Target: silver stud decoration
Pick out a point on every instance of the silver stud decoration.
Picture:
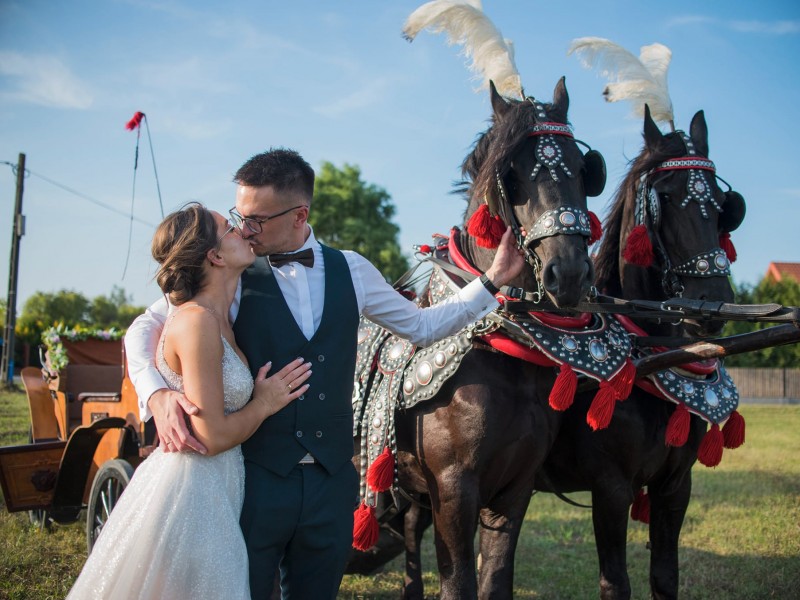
(714, 396)
(564, 220)
(548, 152)
(713, 263)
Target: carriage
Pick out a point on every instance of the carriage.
(86, 437)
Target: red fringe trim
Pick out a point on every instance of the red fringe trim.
(640, 509)
(365, 528)
(624, 380)
(638, 249)
(380, 474)
(486, 229)
(563, 392)
(595, 227)
(678, 427)
(135, 121)
(727, 245)
(710, 451)
(602, 407)
(733, 431)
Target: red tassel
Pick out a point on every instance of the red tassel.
(595, 227)
(727, 245)
(365, 528)
(678, 427)
(710, 451)
(733, 431)
(640, 509)
(638, 249)
(602, 407)
(135, 121)
(623, 381)
(563, 392)
(380, 474)
(486, 229)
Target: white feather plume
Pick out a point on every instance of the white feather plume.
(638, 80)
(466, 24)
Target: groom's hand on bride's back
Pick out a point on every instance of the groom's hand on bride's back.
(170, 410)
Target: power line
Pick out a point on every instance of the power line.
(79, 194)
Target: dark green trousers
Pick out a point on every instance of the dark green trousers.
(302, 524)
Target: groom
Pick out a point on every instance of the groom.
(301, 299)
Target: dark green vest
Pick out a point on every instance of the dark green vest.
(321, 421)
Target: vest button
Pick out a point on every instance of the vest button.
(322, 396)
(319, 434)
(301, 397)
(321, 358)
(299, 434)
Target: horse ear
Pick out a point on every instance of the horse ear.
(560, 101)
(500, 105)
(652, 134)
(699, 133)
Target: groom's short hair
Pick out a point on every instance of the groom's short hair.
(281, 168)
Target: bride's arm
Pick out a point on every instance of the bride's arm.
(194, 338)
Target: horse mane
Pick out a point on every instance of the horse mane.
(606, 262)
(494, 148)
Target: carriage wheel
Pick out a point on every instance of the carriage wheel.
(112, 478)
(39, 516)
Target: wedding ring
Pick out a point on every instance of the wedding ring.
(289, 387)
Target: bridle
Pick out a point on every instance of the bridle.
(708, 263)
(563, 220)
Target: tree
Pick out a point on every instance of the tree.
(114, 310)
(787, 293)
(350, 214)
(44, 309)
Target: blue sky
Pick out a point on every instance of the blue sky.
(336, 81)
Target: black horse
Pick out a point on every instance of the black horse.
(474, 447)
(617, 462)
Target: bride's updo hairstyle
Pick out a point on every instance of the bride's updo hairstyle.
(180, 245)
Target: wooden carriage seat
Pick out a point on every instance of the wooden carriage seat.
(90, 383)
(44, 424)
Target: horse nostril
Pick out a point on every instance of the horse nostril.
(550, 278)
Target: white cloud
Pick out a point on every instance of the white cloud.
(369, 95)
(769, 28)
(752, 26)
(689, 20)
(43, 80)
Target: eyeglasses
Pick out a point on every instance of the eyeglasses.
(252, 224)
(231, 227)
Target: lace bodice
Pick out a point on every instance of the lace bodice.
(237, 382)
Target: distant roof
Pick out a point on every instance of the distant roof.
(777, 271)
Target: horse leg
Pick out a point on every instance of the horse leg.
(666, 519)
(499, 533)
(417, 519)
(455, 518)
(610, 508)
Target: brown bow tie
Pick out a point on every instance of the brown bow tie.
(304, 257)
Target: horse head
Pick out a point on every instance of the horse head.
(527, 171)
(672, 224)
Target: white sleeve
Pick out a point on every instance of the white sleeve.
(141, 343)
(381, 303)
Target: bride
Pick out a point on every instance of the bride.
(175, 531)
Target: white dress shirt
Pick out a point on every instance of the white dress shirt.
(304, 291)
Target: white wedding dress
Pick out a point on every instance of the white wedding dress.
(175, 532)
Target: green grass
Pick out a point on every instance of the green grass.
(740, 541)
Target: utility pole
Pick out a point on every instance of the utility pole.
(18, 230)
